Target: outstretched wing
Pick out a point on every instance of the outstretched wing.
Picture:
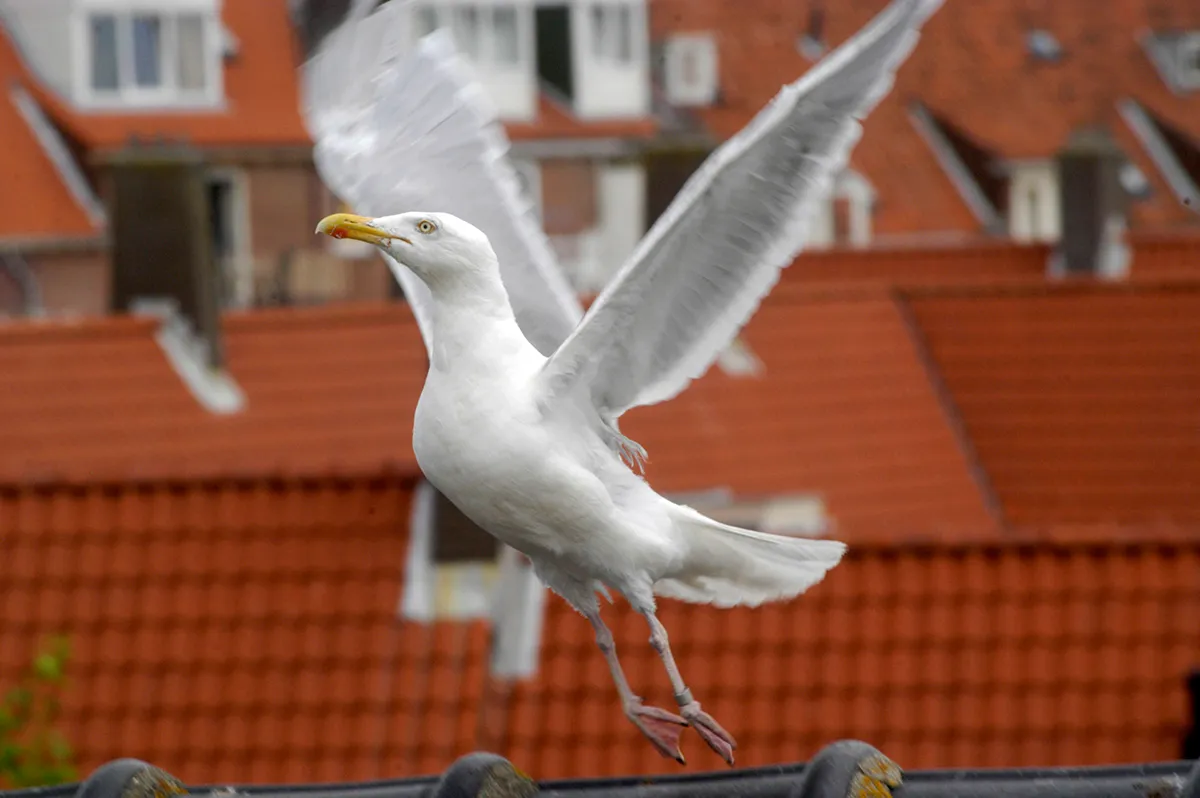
(398, 130)
(701, 271)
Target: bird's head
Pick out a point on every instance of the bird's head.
(435, 246)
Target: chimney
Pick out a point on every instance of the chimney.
(1093, 205)
(161, 249)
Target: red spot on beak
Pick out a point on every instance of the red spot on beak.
(339, 232)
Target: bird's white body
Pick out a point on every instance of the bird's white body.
(517, 421)
(541, 476)
(542, 483)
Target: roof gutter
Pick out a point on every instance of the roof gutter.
(54, 245)
(842, 768)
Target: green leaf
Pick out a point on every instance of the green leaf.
(48, 667)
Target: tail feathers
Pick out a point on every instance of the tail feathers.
(729, 567)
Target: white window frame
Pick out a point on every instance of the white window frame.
(605, 19)
(128, 94)
(1034, 215)
(853, 187)
(485, 52)
(241, 256)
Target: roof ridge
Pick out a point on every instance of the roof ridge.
(56, 328)
(344, 312)
(1133, 284)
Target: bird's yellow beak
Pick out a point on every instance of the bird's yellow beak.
(362, 228)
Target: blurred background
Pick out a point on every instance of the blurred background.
(217, 552)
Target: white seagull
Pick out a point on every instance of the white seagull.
(517, 421)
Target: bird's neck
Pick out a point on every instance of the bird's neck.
(473, 323)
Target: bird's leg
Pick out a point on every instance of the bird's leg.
(662, 728)
(717, 738)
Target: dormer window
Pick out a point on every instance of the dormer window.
(1188, 55)
(488, 35)
(151, 58)
(612, 33)
(497, 37)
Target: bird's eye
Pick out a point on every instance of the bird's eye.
(425, 226)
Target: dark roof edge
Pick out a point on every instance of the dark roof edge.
(950, 411)
(845, 768)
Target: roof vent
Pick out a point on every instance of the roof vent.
(1134, 181)
(1176, 56)
(1043, 45)
(811, 43)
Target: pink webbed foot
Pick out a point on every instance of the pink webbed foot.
(661, 728)
(707, 727)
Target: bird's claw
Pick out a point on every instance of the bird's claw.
(707, 727)
(661, 728)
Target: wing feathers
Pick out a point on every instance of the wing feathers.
(702, 270)
(422, 135)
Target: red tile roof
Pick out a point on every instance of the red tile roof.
(245, 631)
(553, 121)
(35, 201)
(232, 622)
(976, 655)
(844, 408)
(1081, 401)
(329, 390)
(970, 67)
(238, 630)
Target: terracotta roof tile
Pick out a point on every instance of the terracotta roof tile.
(35, 202)
(1080, 400)
(976, 655)
(555, 122)
(237, 630)
(843, 408)
(327, 389)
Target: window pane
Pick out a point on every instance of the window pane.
(104, 52)
(600, 34)
(623, 33)
(427, 21)
(504, 27)
(192, 56)
(466, 30)
(147, 50)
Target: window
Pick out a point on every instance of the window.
(147, 51)
(487, 35)
(104, 52)
(151, 57)
(1189, 61)
(507, 37)
(612, 33)
(465, 26)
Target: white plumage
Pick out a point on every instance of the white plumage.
(517, 421)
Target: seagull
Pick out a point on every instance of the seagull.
(517, 422)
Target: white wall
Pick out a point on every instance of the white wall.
(1033, 202)
(605, 88)
(42, 29)
(622, 212)
(511, 86)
